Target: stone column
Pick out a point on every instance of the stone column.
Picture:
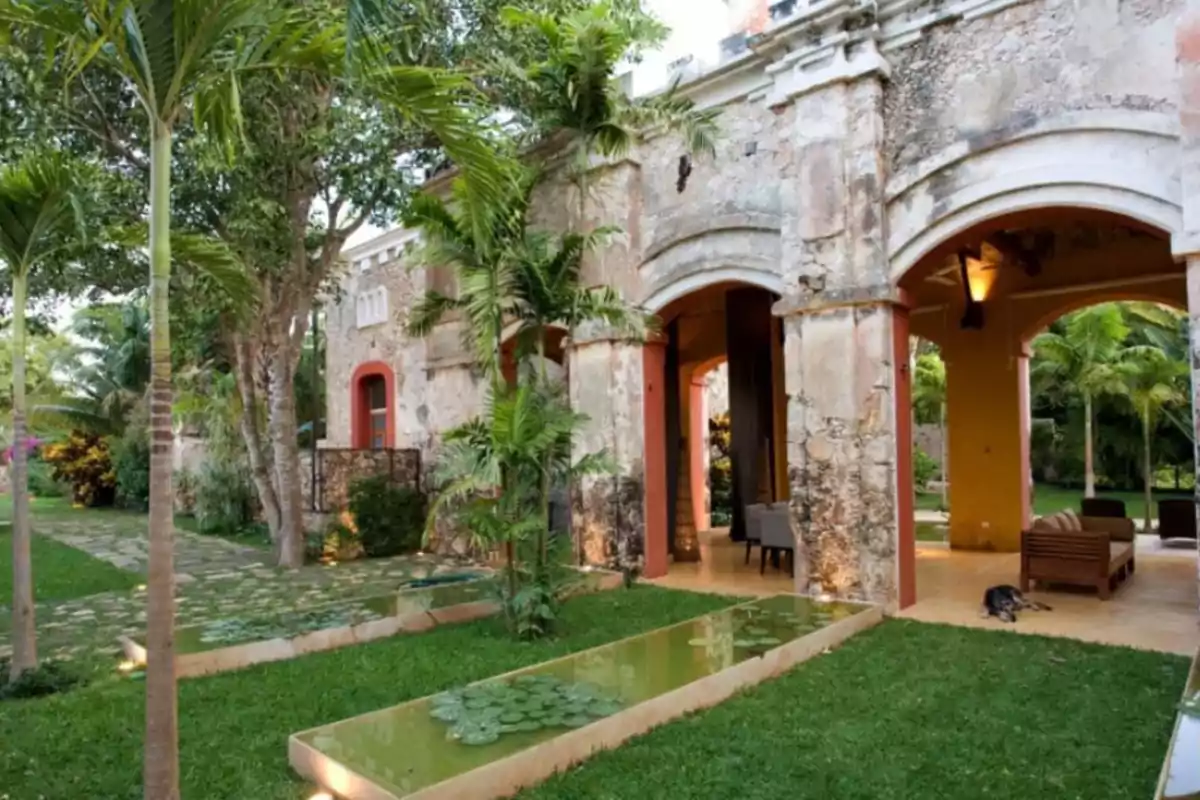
(1186, 242)
(655, 505)
(606, 385)
(842, 446)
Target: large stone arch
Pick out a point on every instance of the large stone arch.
(1123, 162)
(740, 254)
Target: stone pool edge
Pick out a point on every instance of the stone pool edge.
(506, 776)
(247, 654)
(1192, 684)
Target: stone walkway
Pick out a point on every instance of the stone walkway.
(218, 579)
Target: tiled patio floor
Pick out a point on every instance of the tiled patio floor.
(1155, 610)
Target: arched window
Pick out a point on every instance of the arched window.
(372, 415)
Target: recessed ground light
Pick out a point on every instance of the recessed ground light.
(751, 148)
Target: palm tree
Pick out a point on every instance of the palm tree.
(1151, 382)
(929, 401)
(1082, 359)
(573, 91)
(173, 53)
(40, 218)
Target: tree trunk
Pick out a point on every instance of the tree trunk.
(24, 633)
(260, 471)
(1147, 468)
(1089, 468)
(161, 759)
(945, 456)
(286, 456)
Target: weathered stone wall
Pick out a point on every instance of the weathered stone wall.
(985, 79)
(350, 346)
(338, 469)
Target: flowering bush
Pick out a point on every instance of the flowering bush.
(83, 461)
(32, 443)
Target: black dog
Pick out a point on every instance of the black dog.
(1005, 601)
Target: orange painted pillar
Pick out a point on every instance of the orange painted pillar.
(906, 522)
(697, 410)
(654, 363)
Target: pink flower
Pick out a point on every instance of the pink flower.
(31, 444)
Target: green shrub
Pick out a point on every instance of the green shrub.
(390, 519)
(41, 480)
(49, 677)
(925, 468)
(131, 462)
(225, 500)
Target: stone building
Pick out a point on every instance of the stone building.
(962, 170)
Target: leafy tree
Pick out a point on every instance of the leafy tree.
(40, 216)
(1151, 381)
(1081, 359)
(929, 401)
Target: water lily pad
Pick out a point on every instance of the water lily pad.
(701, 642)
(512, 717)
(480, 736)
(577, 721)
(528, 726)
(604, 708)
(769, 641)
(745, 642)
(447, 713)
(752, 630)
(481, 714)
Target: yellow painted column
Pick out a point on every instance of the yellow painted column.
(987, 411)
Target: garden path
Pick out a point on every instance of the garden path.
(217, 579)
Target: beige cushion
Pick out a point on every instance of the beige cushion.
(1044, 524)
(1072, 521)
(1118, 549)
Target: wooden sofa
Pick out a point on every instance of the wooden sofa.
(1083, 551)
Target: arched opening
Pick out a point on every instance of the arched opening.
(982, 296)
(725, 323)
(372, 407)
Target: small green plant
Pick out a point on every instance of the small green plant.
(481, 714)
(389, 519)
(225, 500)
(41, 480)
(131, 462)
(49, 677)
(630, 574)
(925, 468)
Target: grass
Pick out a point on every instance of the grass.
(1048, 499)
(930, 532)
(59, 572)
(912, 711)
(234, 727)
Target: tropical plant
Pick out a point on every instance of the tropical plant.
(929, 403)
(1151, 383)
(572, 90)
(82, 460)
(1081, 360)
(40, 219)
(491, 473)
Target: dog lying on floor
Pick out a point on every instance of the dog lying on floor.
(1005, 601)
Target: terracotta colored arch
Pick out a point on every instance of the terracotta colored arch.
(360, 410)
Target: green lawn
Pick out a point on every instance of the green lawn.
(912, 711)
(59, 572)
(1048, 498)
(234, 727)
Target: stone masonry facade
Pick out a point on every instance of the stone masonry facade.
(855, 138)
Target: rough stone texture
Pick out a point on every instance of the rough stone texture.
(338, 469)
(607, 509)
(854, 139)
(842, 450)
(1005, 71)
